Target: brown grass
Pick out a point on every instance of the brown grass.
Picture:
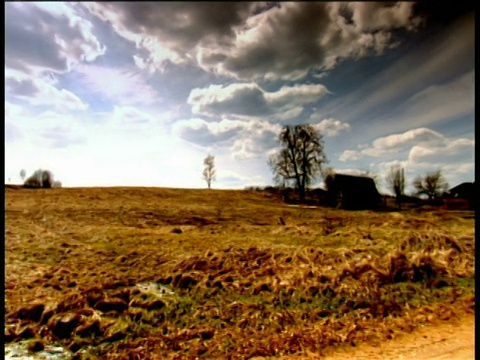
(250, 275)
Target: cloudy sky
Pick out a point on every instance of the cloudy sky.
(138, 93)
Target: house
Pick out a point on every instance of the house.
(461, 196)
(353, 192)
(465, 190)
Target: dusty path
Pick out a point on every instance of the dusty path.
(440, 341)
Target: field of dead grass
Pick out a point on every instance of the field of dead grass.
(155, 273)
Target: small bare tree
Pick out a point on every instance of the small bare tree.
(432, 185)
(396, 183)
(23, 173)
(209, 170)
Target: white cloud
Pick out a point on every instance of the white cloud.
(454, 150)
(396, 143)
(259, 138)
(12, 110)
(300, 94)
(370, 16)
(206, 133)
(247, 148)
(354, 172)
(249, 100)
(419, 151)
(121, 85)
(37, 91)
(51, 129)
(350, 155)
(243, 139)
(330, 127)
(130, 115)
(236, 99)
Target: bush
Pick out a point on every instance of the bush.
(40, 179)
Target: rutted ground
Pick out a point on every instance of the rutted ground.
(237, 283)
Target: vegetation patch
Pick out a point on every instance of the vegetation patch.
(103, 275)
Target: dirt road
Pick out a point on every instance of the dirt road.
(440, 341)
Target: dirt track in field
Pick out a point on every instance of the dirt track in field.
(441, 341)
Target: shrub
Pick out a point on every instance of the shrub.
(40, 179)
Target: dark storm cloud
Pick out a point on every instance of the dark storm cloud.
(442, 13)
(180, 24)
(296, 38)
(47, 36)
(170, 31)
(24, 46)
(249, 40)
(20, 87)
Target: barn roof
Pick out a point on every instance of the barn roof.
(463, 190)
(357, 192)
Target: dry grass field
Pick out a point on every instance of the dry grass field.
(155, 273)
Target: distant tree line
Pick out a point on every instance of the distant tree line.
(301, 160)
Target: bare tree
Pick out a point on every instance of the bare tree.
(432, 185)
(23, 173)
(301, 157)
(209, 170)
(396, 183)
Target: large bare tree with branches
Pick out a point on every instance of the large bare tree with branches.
(432, 185)
(300, 158)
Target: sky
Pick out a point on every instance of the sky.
(139, 93)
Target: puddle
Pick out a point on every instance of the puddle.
(155, 289)
(19, 351)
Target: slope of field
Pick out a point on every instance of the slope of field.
(154, 273)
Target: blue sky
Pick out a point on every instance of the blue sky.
(138, 93)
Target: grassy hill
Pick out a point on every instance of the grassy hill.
(179, 273)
